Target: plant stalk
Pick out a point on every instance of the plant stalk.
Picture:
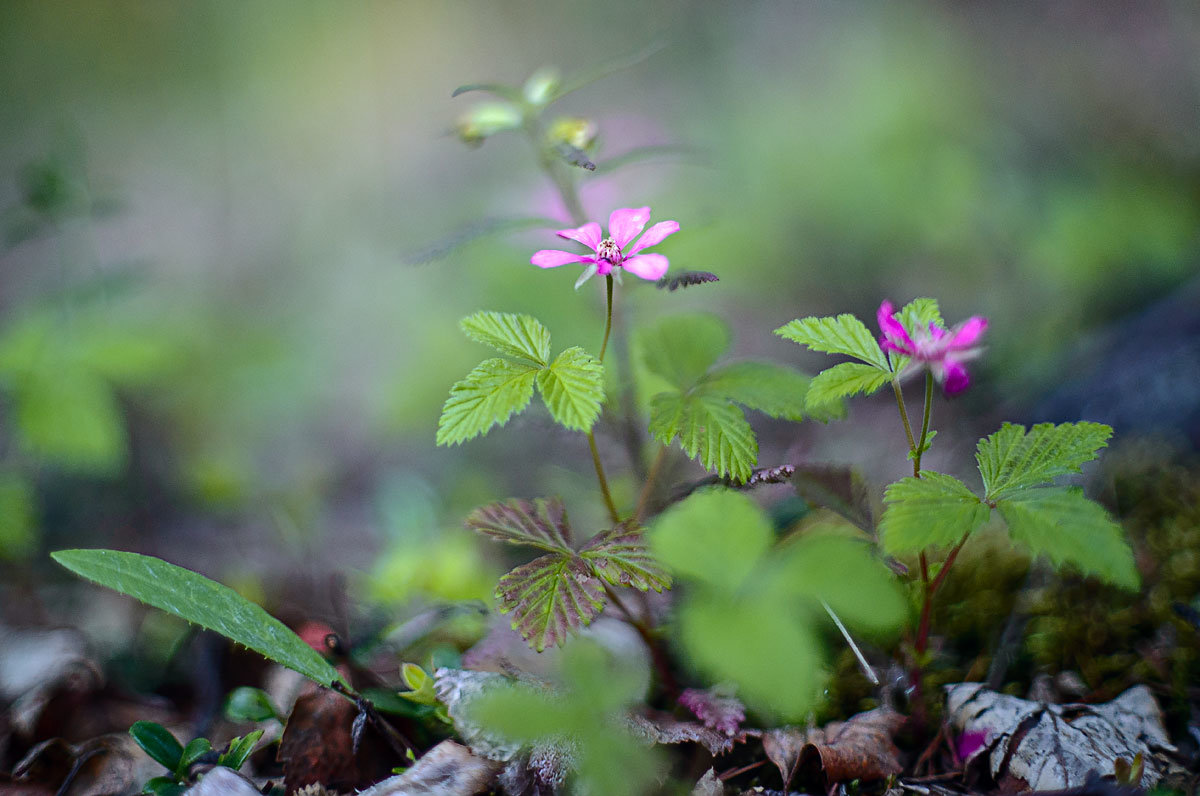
(920, 449)
(608, 499)
(648, 488)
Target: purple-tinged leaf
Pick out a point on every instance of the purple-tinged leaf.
(716, 709)
(621, 557)
(537, 523)
(550, 597)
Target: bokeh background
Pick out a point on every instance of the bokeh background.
(228, 309)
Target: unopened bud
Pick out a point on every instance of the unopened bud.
(486, 120)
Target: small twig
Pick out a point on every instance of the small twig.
(737, 771)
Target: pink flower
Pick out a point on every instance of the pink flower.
(941, 350)
(617, 250)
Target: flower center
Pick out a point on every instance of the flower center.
(609, 251)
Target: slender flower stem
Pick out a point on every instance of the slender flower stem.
(920, 449)
(608, 315)
(862, 661)
(608, 499)
(648, 488)
(912, 444)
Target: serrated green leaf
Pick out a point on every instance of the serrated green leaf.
(844, 334)
(204, 602)
(157, 742)
(1010, 459)
(932, 510)
(844, 380)
(920, 312)
(681, 348)
(710, 430)
(550, 597)
(488, 396)
(774, 390)
(521, 336)
(1063, 525)
(573, 389)
(538, 523)
(756, 642)
(715, 537)
(826, 565)
(621, 557)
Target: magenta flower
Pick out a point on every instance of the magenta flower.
(941, 350)
(617, 250)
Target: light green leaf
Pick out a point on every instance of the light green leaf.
(756, 642)
(1067, 528)
(932, 510)
(710, 430)
(201, 601)
(681, 348)
(18, 521)
(715, 536)
(774, 390)
(573, 389)
(520, 336)
(537, 523)
(920, 312)
(844, 334)
(1010, 459)
(841, 570)
(620, 556)
(488, 396)
(844, 380)
(70, 417)
(550, 597)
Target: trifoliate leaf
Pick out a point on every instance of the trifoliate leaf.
(621, 556)
(573, 388)
(716, 537)
(755, 642)
(1010, 459)
(842, 571)
(710, 430)
(844, 380)
(934, 509)
(1067, 528)
(520, 336)
(844, 334)
(488, 396)
(550, 597)
(680, 348)
(537, 523)
(774, 390)
(201, 601)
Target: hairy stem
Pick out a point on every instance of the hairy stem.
(648, 488)
(912, 444)
(608, 499)
(920, 449)
(608, 314)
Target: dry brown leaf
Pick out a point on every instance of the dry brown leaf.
(709, 785)
(1051, 747)
(662, 728)
(448, 769)
(221, 781)
(318, 746)
(860, 748)
(104, 765)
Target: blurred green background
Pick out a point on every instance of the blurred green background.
(216, 344)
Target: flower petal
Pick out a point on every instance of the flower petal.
(625, 224)
(588, 235)
(656, 234)
(552, 258)
(647, 266)
(894, 337)
(968, 332)
(956, 378)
